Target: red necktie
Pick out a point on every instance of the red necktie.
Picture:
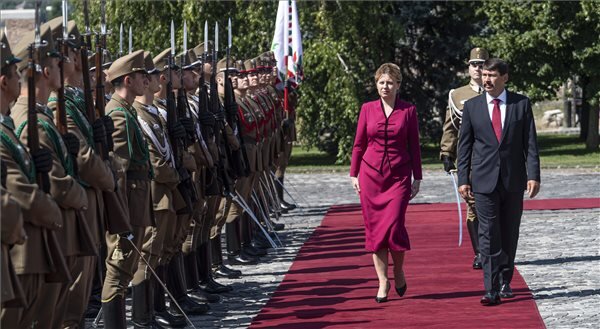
(496, 119)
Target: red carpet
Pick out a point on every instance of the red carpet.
(332, 282)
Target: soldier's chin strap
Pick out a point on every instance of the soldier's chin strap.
(460, 219)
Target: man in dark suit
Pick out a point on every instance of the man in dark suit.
(498, 156)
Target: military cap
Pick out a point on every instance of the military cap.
(161, 61)
(149, 63)
(6, 54)
(251, 65)
(199, 49)
(190, 60)
(56, 25)
(239, 65)
(267, 59)
(44, 51)
(106, 59)
(222, 65)
(478, 55)
(127, 64)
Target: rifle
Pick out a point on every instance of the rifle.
(215, 108)
(85, 46)
(61, 272)
(239, 158)
(185, 186)
(213, 182)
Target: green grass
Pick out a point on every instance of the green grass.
(556, 151)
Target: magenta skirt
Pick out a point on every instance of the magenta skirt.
(384, 197)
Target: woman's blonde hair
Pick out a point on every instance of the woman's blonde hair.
(391, 69)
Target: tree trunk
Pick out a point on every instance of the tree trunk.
(593, 139)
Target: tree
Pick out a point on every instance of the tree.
(546, 43)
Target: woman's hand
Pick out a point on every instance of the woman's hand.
(355, 185)
(414, 190)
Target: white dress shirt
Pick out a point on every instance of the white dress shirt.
(502, 105)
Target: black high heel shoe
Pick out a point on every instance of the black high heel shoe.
(402, 290)
(383, 299)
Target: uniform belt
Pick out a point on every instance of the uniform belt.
(138, 175)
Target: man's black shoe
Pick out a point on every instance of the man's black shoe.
(490, 299)
(287, 206)
(223, 271)
(254, 251)
(242, 259)
(477, 262)
(189, 307)
(213, 287)
(506, 291)
(167, 319)
(201, 296)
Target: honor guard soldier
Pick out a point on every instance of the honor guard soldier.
(176, 132)
(94, 174)
(63, 187)
(26, 259)
(131, 160)
(448, 145)
(191, 71)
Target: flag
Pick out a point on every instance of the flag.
(287, 43)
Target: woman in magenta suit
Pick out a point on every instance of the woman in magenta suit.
(385, 159)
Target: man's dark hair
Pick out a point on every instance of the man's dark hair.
(118, 82)
(6, 70)
(496, 64)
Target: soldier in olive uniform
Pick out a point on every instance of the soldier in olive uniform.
(131, 160)
(448, 145)
(64, 188)
(27, 212)
(94, 173)
(199, 150)
(176, 132)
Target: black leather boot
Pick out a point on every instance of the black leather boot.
(473, 227)
(205, 271)
(114, 313)
(142, 310)
(284, 205)
(219, 269)
(161, 315)
(192, 280)
(177, 286)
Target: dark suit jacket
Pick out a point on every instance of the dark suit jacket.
(482, 159)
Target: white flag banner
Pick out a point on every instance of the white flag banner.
(287, 42)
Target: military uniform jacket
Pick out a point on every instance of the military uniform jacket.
(456, 102)
(39, 210)
(64, 188)
(12, 233)
(166, 177)
(131, 160)
(94, 173)
(249, 132)
(261, 122)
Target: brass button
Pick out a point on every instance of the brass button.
(133, 185)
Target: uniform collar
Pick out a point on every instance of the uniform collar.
(476, 87)
(7, 121)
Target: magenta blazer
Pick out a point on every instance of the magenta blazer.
(392, 141)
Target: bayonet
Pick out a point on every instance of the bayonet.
(216, 37)
(229, 34)
(185, 38)
(205, 37)
(86, 21)
(130, 40)
(121, 40)
(172, 39)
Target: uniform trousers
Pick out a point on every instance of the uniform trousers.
(153, 244)
(283, 159)
(80, 291)
(35, 290)
(499, 214)
(230, 210)
(119, 272)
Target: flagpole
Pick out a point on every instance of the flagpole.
(285, 80)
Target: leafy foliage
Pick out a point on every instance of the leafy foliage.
(546, 43)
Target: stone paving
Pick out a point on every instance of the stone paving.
(558, 255)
